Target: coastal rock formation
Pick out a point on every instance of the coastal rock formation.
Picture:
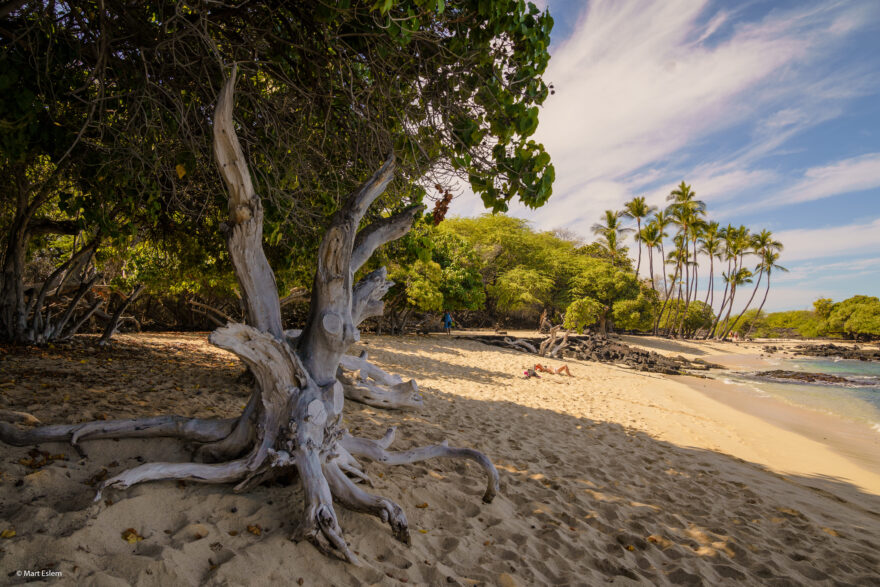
(602, 350)
(807, 377)
(834, 350)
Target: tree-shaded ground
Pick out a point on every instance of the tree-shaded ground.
(624, 506)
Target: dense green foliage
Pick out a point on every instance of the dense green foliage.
(583, 312)
(106, 106)
(526, 272)
(857, 317)
(699, 316)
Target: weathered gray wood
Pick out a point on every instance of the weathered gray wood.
(67, 334)
(520, 345)
(56, 330)
(367, 295)
(548, 342)
(555, 350)
(354, 498)
(201, 472)
(330, 328)
(194, 429)
(113, 324)
(401, 396)
(278, 373)
(294, 416)
(244, 233)
(377, 451)
(380, 232)
(367, 369)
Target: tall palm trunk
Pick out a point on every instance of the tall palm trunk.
(696, 272)
(674, 322)
(729, 310)
(687, 297)
(668, 293)
(651, 265)
(738, 318)
(663, 261)
(723, 302)
(711, 280)
(639, 240)
(761, 307)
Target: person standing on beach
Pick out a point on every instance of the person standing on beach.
(447, 322)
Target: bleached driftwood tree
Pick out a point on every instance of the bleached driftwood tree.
(294, 417)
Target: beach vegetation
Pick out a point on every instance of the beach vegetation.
(583, 312)
(855, 318)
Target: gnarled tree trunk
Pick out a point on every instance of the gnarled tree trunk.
(294, 417)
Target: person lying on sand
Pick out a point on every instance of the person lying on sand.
(558, 371)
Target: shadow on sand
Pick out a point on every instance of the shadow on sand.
(582, 502)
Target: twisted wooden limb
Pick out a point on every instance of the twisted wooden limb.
(366, 298)
(561, 345)
(113, 324)
(241, 437)
(245, 227)
(380, 232)
(547, 343)
(354, 498)
(278, 372)
(520, 344)
(203, 473)
(400, 396)
(194, 429)
(384, 391)
(68, 334)
(367, 369)
(56, 330)
(318, 524)
(376, 451)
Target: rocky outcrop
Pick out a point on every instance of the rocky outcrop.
(807, 377)
(604, 350)
(837, 351)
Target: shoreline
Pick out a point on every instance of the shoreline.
(856, 443)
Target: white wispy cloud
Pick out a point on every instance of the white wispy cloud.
(645, 88)
(842, 177)
(858, 239)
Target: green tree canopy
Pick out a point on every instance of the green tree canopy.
(106, 113)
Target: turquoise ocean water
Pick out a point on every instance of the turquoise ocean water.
(857, 403)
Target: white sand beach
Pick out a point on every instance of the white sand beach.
(607, 476)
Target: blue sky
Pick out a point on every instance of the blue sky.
(769, 109)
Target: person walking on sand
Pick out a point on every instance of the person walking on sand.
(447, 322)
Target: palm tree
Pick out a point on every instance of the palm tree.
(761, 244)
(675, 256)
(611, 231)
(740, 277)
(652, 236)
(695, 230)
(662, 220)
(710, 244)
(638, 209)
(768, 264)
(687, 211)
(729, 242)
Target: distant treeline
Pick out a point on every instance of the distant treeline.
(856, 318)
